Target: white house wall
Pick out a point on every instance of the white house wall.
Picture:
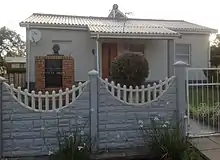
(199, 53)
(156, 55)
(78, 44)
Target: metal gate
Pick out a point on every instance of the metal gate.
(203, 98)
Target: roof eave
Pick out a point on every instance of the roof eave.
(194, 31)
(133, 36)
(53, 26)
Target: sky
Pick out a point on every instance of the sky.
(203, 12)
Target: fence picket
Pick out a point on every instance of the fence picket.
(12, 89)
(148, 93)
(142, 94)
(19, 93)
(47, 101)
(106, 83)
(166, 83)
(60, 99)
(112, 88)
(118, 91)
(73, 93)
(40, 100)
(33, 99)
(53, 100)
(67, 96)
(136, 94)
(80, 87)
(26, 97)
(155, 91)
(125, 93)
(161, 86)
(130, 94)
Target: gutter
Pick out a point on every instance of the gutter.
(97, 54)
(53, 26)
(134, 36)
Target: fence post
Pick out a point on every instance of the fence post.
(94, 107)
(2, 80)
(181, 99)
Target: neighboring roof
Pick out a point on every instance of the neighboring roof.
(15, 59)
(111, 24)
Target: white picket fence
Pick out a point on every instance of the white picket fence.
(46, 102)
(138, 95)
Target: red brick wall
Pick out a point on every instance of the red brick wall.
(68, 72)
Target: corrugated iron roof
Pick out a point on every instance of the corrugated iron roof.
(111, 23)
(131, 29)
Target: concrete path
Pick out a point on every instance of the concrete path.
(198, 128)
(209, 145)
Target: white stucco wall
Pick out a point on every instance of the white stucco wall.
(199, 53)
(156, 55)
(78, 44)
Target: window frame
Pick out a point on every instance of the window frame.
(183, 54)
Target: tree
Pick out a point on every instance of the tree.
(215, 52)
(11, 43)
(130, 69)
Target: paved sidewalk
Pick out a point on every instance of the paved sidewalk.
(209, 145)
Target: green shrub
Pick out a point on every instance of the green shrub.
(129, 69)
(73, 147)
(167, 142)
(213, 76)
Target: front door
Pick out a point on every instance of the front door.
(109, 52)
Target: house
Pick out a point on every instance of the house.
(16, 71)
(93, 42)
(14, 63)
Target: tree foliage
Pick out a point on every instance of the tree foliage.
(129, 69)
(11, 43)
(215, 52)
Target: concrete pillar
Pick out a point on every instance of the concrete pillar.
(181, 99)
(170, 56)
(2, 80)
(94, 107)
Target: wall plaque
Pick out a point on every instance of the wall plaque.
(53, 73)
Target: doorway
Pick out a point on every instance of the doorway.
(109, 52)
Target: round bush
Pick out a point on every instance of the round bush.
(129, 69)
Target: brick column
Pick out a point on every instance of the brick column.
(39, 72)
(68, 72)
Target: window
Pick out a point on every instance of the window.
(18, 65)
(22, 65)
(183, 53)
(15, 65)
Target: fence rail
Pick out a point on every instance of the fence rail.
(203, 94)
(46, 102)
(137, 95)
(18, 79)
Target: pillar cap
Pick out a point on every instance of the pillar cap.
(93, 73)
(180, 64)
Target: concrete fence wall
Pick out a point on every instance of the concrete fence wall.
(112, 123)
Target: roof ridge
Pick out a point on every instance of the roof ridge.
(99, 17)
